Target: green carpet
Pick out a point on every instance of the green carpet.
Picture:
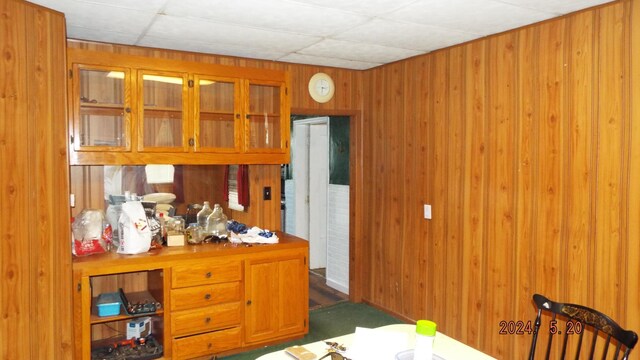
(328, 322)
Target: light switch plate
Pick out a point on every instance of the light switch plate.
(427, 211)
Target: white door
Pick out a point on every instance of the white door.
(318, 185)
(310, 168)
(300, 165)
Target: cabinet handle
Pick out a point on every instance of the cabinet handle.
(209, 345)
(127, 109)
(208, 275)
(248, 302)
(207, 296)
(207, 320)
(191, 142)
(237, 116)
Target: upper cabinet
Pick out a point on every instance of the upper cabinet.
(137, 110)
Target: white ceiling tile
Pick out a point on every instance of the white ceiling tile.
(357, 51)
(74, 32)
(405, 35)
(102, 17)
(482, 17)
(210, 48)
(555, 6)
(368, 7)
(326, 61)
(212, 32)
(274, 14)
(155, 5)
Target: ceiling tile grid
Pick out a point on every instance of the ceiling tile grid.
(353, 34)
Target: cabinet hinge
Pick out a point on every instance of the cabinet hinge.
(70, 74)
(79, 288)
(190, 83)
(72, 139)
(305, 260)
(304, 323)
(286, 91)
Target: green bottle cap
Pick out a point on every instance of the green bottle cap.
(426, 327)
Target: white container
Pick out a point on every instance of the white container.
(138, 328)
(425, 334)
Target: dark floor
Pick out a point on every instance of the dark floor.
(321, 295)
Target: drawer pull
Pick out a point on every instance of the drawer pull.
(248, 302)
(207, 320)
(207, 296)
(208, 275)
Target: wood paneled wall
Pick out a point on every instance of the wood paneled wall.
(526, 146)
(35, 261)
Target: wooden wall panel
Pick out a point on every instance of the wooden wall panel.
(35, 250)
(525, 144)
(631, 181)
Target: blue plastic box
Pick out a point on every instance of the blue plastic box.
(109, 304)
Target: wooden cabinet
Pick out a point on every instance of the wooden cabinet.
(206, 305)
(136, 110)
(216, 298)
(275, 288)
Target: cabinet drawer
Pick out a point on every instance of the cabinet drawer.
(205, 295)
(204, 344)
(206, 319)
(205, 273)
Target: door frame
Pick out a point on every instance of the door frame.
(356, 183)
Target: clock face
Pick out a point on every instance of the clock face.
(321, 87)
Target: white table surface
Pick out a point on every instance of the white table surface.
(443, 346)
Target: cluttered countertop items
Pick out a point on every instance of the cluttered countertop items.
(134, 224)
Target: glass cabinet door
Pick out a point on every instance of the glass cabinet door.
(162, 126)
(102, 112)
(217, 125)
(263, 127)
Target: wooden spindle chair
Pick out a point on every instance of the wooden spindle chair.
(579, 320)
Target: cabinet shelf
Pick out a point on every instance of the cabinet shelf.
(162, 109)
(132, 296)
(101, 105)
(95, 319)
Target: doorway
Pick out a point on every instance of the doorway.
(317, 197)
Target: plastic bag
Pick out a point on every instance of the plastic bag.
(134, 230)
(89, 235)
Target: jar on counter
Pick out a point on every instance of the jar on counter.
(193, 233)
(217, 224)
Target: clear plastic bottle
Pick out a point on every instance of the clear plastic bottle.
(425, 334)
(203, 215)
(217, 223)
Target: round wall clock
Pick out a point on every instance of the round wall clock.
(321, 87)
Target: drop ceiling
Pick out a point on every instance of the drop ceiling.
(353, 34)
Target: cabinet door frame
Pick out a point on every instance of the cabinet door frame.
(185, 124)
(74, 95)
(283, 113)
(237, 114)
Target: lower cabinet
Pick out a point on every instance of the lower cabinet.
(276, 294)
(213, 299)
